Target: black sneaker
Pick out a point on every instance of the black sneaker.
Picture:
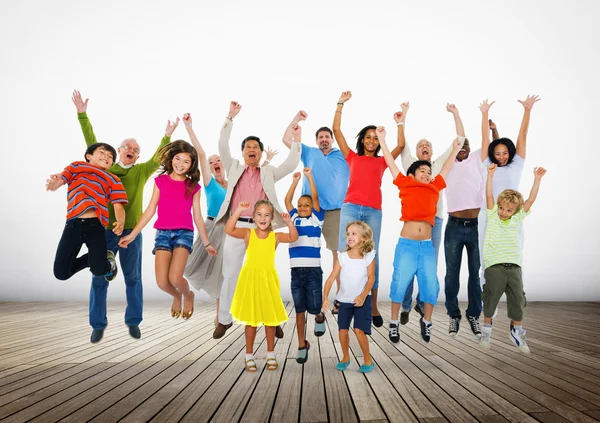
(377, 321)
(474, 324)
(113, 266)
(97, 335)
(418, 310)
(454, 327)
(394, 335)
(426, 330)
(404, 317)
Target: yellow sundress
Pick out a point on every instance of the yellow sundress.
(257, 299)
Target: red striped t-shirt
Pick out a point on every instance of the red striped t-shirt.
(91, 188)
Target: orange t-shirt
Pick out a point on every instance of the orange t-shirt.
(419, 200)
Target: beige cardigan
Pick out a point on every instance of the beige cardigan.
(268, 175)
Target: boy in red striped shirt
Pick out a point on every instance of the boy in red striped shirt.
(91, 187)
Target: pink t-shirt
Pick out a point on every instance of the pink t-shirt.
(249, 188)
(365, 180)
(174, 208)
(465, 184)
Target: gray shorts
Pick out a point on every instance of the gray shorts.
(504, 278)
(331, 229)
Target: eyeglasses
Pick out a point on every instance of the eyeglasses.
(130, 148)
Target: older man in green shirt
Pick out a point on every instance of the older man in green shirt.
(134, 177)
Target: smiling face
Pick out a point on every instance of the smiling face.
(371, 141)
(464, 151)
(216, 167)
(252, 153)
(506, 210)
(324, 142)
(424, 150)
(129, 152)
(305, 206)
(181, 164)
(354, 236)
(501, 154)
(263, 216)
(101, 158)
(422, 174)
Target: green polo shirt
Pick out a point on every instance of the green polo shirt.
(501, 243)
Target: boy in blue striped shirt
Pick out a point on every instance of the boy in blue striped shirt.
(305, 260)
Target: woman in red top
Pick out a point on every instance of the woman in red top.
(363, 198)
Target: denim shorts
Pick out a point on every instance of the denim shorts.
(167, 240)
(362, 316)
(307, 289)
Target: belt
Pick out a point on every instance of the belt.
(245, 219)
(508, 264)
(462, 222)
(210, 218)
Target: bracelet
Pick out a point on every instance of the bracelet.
(400, 123)
(207, 245)
(338, 111)
(187, 124)
(229, 117)
(340, 104)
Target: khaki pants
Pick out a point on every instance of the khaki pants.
(504, 278)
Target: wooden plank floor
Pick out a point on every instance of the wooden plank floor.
(177, 373)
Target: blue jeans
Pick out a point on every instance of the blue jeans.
(307, 289)
(371, 217)
(131, 266)
(462, 233)
(436, 238)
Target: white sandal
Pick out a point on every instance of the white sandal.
(272, 363)
(250, 365)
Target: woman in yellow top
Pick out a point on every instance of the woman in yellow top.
(257, 299)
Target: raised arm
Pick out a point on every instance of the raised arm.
(224, 148)
(289, 196)
(485, 128)
(494, 129)
(387, 155)
(337, 123)
(84, 121)
(231, 230)
(292, 235)
(287, 135)
(146, 216)
(522, 138)
(456, 146)
(199, 221)
(204, 166)
(293, 158)
(400, 119)
(460, 129)
(313, 188)
(270, 154)
(538, 173)
(489, 187)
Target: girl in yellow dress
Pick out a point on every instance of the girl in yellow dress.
(257, 300)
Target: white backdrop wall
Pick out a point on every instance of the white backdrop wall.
(143, 62)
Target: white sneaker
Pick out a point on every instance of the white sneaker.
(486, 337)
(518, 338)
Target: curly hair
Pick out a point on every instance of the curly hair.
(368, 244)
(512, 150)
(511, 196)
(360, 146)
(166, 155)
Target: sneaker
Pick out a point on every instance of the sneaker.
(394, 335)
(320, 328)
(377, 321)
(404, 317)
(486, 337)
(418, 310)
(518, 338)
(454, 327)
(474, 325)
(426, 330)
(113, 266)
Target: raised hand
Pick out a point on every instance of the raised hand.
(234, 108)
(346, 95)
(457, 144)
(307, 172)
(79, 103)
(212, 251)
(118, 228)
(538, 172)
(404, 107)
(301, 115)
(286, 218)
(187, 119)
(381, 133)
(485, 106)
(451, 108)
(492, 124)
(271, 153)
(54, 182)
(529, 101)
(244, 205)
(492, 168)
(296, 176)
(171, 127)
(296, 132)
(399, 117)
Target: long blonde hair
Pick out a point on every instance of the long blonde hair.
(368, 244)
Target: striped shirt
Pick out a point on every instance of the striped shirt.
(91, 188)
(306, 251)
(501, 243)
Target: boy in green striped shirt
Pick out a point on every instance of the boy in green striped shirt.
(502, 257)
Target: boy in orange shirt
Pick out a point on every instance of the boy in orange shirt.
(415, 254)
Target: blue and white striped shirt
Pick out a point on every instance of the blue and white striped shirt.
(306, 251)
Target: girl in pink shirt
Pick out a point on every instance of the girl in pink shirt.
(176, 192)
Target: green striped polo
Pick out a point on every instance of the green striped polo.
(501, 243)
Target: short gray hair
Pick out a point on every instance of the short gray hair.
(129, 139)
